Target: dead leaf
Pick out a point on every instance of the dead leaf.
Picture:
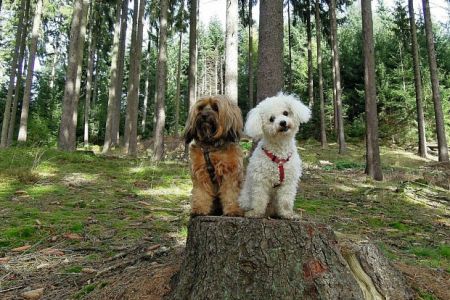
(21, 249)
(88, 270)
(73, 236)
(154, 247)
(4, 260)
(52, 251)
(34, 294)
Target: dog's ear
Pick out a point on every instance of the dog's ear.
(190, 130)
(301, 112)
(253, 125)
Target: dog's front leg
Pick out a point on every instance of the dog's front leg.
(201, 201)
(260, 196)
(284, 201)
(229, 193)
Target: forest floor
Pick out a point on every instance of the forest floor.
(85, 226)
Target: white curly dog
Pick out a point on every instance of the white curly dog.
(275, 167)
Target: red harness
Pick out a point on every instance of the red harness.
(279, 162)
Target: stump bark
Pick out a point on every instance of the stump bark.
(239, 258)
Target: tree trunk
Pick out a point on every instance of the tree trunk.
(20, 69)
(417, 82)
(439, 116)
(54, 63)
(67, 133)
(192, 79)
(289, 47)
(270, 77)
(130, 135)
(147, 84)
(373, 151)
(161, 77)
(177, 96)
(23, 129)
(12, 77)
(250, 55)
(115, 129)
(333, 74)
(231, 50)
(337, 82)
(323, 133)
(114, 76)
(310, 58)
(91, 60)
(241, 258)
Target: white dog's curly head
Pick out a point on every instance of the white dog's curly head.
(277, 117)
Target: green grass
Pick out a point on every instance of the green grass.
(46, 193)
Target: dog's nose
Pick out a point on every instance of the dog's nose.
(283, 123)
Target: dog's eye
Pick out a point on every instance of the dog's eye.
(215, 107)
(201, 107)
(285, 113)
(272, 118)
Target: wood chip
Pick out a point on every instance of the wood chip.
(154, 247)
(52, 251)
(4, 260)
(73, 236)
(34, 294)
(21, 249)
(89, 270)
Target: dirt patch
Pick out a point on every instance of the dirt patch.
(428, 280)
(151, 281)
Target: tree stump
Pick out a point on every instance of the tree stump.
(239, 258)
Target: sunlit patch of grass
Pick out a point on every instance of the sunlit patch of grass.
(38, 190)
(85, 291)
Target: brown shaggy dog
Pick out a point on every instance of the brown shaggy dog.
(215, 125)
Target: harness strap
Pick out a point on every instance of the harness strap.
(280, 162)
(211, 171)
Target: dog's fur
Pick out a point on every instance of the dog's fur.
(260, 195)
(215, 125)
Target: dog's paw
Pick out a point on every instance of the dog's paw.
(290, 216)
(253, 214)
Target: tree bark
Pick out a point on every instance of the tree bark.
(147, 84)
(115, 130)
(289, 47)
(130, 135)
(270, 77)
(231, 50)
(323, 133)
(250, 55)
(372, 148)
(310, 58)
(417, 82)
(439, 115)
(23, 129)
(12, 77)
(67, 133)
(161, 77)
(241, 258)
(337, 82)
(91, 61)
(192, 79)
(20, 69)
(177, 96)
(114, 76)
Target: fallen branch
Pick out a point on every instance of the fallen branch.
(11, 289)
